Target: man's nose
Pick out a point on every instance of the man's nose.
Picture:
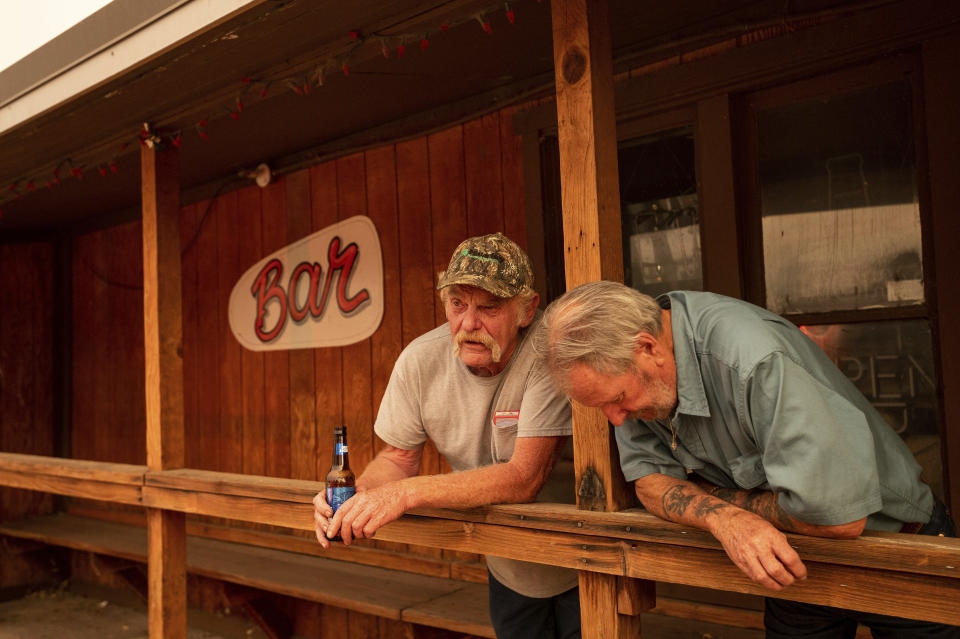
(614, 413)
(471, 320)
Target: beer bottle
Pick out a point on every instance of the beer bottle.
(341, 481)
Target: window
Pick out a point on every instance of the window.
(838, 196)
(842, 239)
(660, 213)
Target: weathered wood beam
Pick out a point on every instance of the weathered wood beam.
(589, 181)
(630, 543)
(163, 333)
(591, 210)
(75, 478)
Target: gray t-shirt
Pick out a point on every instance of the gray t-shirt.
(474, 421)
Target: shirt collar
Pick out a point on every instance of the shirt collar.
(691, 396)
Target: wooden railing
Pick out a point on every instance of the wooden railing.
(904, 575)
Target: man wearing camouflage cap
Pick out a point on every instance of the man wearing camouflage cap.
(476, 389)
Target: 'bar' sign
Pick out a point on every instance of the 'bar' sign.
(323, 290)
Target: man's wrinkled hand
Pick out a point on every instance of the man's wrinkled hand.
(321, 518)
(760, 550)
(363, 514)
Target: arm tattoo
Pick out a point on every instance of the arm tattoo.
(676, 500)
(759, 502)
(707, 506)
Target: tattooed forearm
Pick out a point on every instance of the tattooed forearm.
(760, 502)
(709, 506)
(676, 500)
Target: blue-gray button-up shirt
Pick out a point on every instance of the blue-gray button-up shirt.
(761, 406)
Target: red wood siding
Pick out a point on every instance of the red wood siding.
(273, 413)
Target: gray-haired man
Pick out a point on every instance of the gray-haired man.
(476, 389)
(731, 420)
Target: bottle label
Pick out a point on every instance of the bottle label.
(339, 449)
(336, 495)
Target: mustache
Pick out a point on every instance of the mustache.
(479, 337)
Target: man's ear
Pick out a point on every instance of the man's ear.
(531, 309)
(645, 344)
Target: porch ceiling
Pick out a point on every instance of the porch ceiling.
(463, 71)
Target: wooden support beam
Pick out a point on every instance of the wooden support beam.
(163, 333)
(589, 182)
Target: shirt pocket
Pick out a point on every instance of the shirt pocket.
(747, 471)
(505, 425)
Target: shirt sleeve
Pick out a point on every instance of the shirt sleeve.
(643, 453)
(817, 450)
(399, 422)
(544, 410)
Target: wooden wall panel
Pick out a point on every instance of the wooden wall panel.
(230, 386)
(204, 443)
(123, 345)
(417, 295)
(26, 385)
(99, 387)
(303, 434)
(357, 370)
(273, 413)
(83, 409)
(276, 364)
(328, 361)
(387, 342)
(481, 141)
(249, 251)
(448, 197)
(511, 157)
(189, 301)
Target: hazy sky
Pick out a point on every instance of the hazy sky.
(27, 24)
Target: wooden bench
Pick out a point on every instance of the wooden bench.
(905, 575)
(394, 594)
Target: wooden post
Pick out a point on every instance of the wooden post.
(163, 332)
(590, 195)
(943, 136)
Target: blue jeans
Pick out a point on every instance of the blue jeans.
(784, 618)
(516, 616)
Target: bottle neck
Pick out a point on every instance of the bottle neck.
(341, 458)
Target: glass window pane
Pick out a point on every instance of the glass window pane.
(841, 222)
(660, 213)
(892, 365)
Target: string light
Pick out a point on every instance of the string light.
(148, 138)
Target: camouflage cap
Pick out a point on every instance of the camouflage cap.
(491, 262)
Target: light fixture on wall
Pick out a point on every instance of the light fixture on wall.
(261, 175)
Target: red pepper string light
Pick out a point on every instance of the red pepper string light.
(302, 88)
